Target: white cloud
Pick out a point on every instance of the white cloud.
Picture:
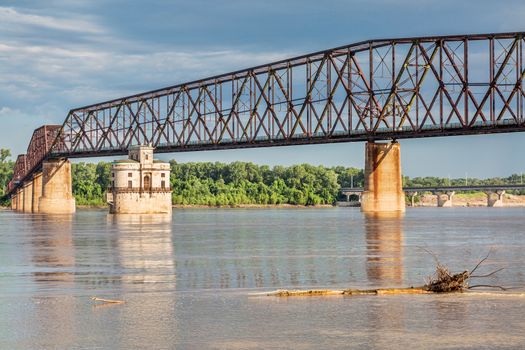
(80, 72)
(10, 17)
(40, 83)
(44, 72)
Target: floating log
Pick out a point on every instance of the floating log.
(349, 292)
(442, 281)
(108, 300)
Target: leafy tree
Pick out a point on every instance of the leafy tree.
(87, 184)
(6, 172)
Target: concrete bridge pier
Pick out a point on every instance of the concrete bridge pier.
(37, 191)
(495, 198)
(383, 190)
(57, 195)
(445, 199)
(359, 197)
(350, 193)
(412, 196)
(19, 200)
(13, 202)
(27, 189)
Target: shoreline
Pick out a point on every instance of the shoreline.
(236, 206)
(290, 206)
(474, 200)
(250, 206)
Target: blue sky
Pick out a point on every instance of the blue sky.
(56, 55)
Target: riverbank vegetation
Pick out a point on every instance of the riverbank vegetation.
(241, 183)
(6, 170)
(247, 183)
(238, 183)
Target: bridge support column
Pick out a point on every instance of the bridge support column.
(13, 202)
(412, 196)
(37, 191)
(445, 198)
(19, 200)
(383, 190)
(57, 197)
(27, 188)
(495, 199)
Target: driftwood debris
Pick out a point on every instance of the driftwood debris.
(442, 281)
(348, 292)
(111, 301)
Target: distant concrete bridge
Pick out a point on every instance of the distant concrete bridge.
(446, 193)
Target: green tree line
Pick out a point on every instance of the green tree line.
(6, 170)
(237, 183)
(248, 183)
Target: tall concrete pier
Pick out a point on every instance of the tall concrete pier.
(37, 191)
(383, 190)
(13, 202)
(57, 196)
(27, 205)
(20, 200)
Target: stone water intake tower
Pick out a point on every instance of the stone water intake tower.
(140, 184)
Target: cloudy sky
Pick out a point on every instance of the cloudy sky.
(56, 55)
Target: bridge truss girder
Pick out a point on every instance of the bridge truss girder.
(39, 147)
(378, 89)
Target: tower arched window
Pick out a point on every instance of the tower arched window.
(147, 182)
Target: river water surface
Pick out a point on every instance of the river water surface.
(193, 280)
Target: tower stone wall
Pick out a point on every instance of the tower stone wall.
(140, 184)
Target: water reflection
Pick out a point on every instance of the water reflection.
(145, 250)
(384, 268)
(53, 258)
(52, 266)
(263, 249)
(384, 244)
(53, 251)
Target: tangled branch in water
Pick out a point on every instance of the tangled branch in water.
(443, 281)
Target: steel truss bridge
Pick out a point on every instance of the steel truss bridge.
(371, 90)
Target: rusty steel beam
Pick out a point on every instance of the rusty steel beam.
(370, 90)
(39, 147)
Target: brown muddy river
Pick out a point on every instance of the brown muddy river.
(191, 281)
